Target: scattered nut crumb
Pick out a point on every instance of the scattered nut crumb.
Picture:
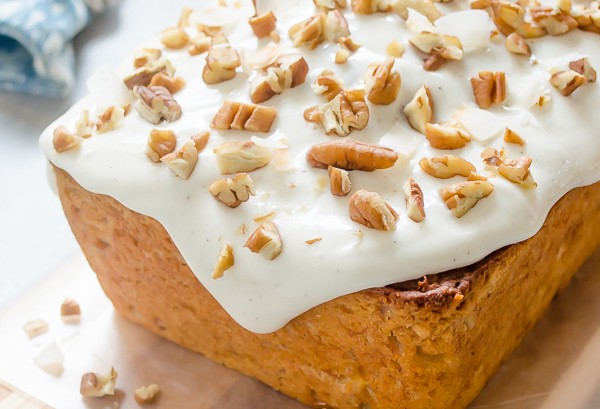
(342, 55)
(110, 119)
(395, 49)
(63, 140)
(265, 241)
(224, 262)
(95, 385)
(349, 43)
(313, 241)
(146, 394)
(517, 45)
(264, 217)
(70, 312)
(35, 328)
(511, 136)
(175, 38)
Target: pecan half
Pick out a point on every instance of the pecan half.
(224, 262)
(183, 162)
(447, 166)
(238, 157)
(264, 24)
(244, 117)
(462, 197)
(160, 143)
(415, 206)
(265, 241)
(351, 155)
(369, 209)
(446, 137)
(382, 85)
(583, 66)
(489, 88)
(63, 140)
(156, 103)
(517, 171)
(344, 113)
(233, 191)
(567, 81)
(419, 111)
(339, 181)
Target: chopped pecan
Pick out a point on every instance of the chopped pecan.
(369, 209)
(70, 312)
(286, 72)
(588, 18)
(326, 26)
(335, 26)
(175, 38)
(156, 103)
(244, 117)
(201, 140)
(330, 4)
(517, 45)
(395, 49)
(174, 85)
(446, 137)
(341, 56)
(265, 241)
(439, 45)
(511, 136)
(419, 111)
(510, 17)
(462, 197)
(199, 44)
(160, 143)
(415, 205)
(382, 85)
(183, 162)
(63, 140)
(224, 262)
(237, 157)
(370, 6)
(143, 75)
(349, 43)
(433, 62)
(567, 81)
(233, 191)
(344, 113)
(489, 88)
(555, 21)
(328, 85)
(146, 394)
(84, 127)
(517, 171)
(447, 166)
(109, 119)
(146, 55)
(95, 385)
(221, 62)
(351, 155)
(424, 7)
(35, 328)
(339, 181)
(493, 157)
(583, 67)
(264, 24)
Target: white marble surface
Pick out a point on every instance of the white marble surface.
(34, 235)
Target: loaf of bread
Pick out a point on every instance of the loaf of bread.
(428, 343)
(294, 188)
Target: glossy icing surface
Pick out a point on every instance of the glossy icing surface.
(563, 138)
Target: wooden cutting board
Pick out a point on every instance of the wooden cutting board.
(12, 398)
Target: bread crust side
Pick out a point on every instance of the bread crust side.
(429, 343)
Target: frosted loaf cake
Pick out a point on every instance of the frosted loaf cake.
(351, 147)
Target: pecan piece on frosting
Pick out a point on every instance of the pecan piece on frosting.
(517, 45)
(583, 66)
(446, 137)
(344, 113)
(143, 75)
(382, 85)
(95, 385)
(224, 262)
(221, 61)
(462, 197)
(146, 394)
(109, 119)
(183, 162)
(446, 167)
(489, 88)
(286, 72)
(369, 209)
(517, 171)
(239, 157)
(146, 55)
(424, 7)
(326, 26)
(233, 191)
(244, 117)
(439, 47)
(351, 155)
(156, 103)
(567, 82)
(341, 56)
(70, 311)
(160, 143)
(510, 18)
(370, 6)
(511, 136)
(328, 84)
(554, 20)
(199, 44)
(330, 4)
(415, 205)
(173, 84)
(419, 111)
(264, 24)
(339, 181)
(174, 38)
(265, 241)
(63, 140)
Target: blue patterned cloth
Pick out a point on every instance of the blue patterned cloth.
(36, 55)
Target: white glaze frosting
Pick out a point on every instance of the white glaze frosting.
(563, 139)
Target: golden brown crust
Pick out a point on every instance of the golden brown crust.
(426, 343)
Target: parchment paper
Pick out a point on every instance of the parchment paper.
(556, 367)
